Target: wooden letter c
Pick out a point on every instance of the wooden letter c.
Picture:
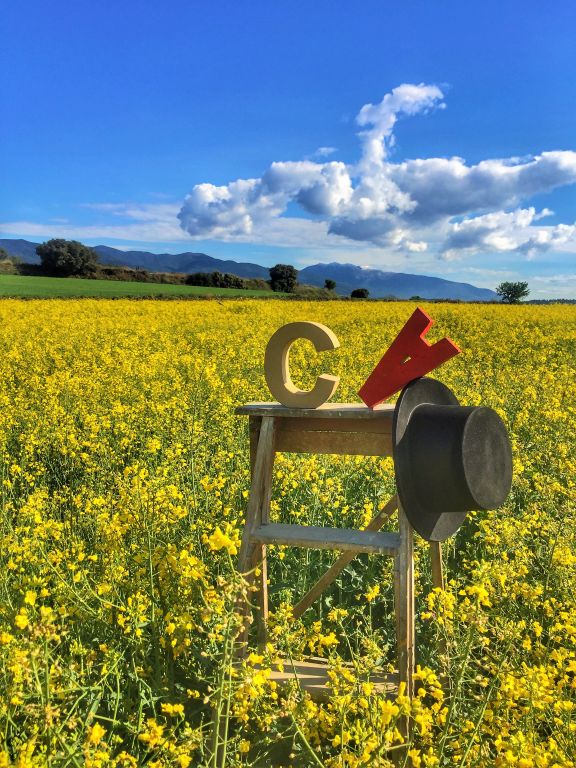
(277, 367)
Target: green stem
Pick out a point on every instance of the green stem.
(455, 691)
(306, 743)
(484, 705)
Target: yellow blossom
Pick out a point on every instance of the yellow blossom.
(219, 540)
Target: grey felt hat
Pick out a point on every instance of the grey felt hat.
(449, 459)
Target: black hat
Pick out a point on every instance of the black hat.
(449, 459)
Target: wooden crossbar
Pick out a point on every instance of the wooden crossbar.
(316, 537)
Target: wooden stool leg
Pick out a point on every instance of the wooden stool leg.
(251, 553)
(260, 555)
(404, 580)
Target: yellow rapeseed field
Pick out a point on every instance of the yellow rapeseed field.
(124, 483)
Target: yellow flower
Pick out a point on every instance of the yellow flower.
(21, 619)
(219, 540)
(95, 734)
(172, 709)
(153, 736)
(126, 483)
(372, 593)
(244, 747)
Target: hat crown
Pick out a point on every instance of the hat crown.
(463, 457)
(449, 459)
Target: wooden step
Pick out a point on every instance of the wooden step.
(315, 537)
(312, 677)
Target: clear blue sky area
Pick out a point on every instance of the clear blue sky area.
(114, 112)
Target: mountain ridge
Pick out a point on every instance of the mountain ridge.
(380, 283)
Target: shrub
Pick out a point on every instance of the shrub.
(283, 278)
(67, 257)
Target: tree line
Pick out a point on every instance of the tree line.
(70, 258)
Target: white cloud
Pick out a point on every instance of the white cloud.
(443, 188)
(324, 151)
(381, 118)
(397, 215)
(140, 223)
(505, 232)
(415, 247)
(165, 212)
(321, 189)
(426, 204)
(556, 279)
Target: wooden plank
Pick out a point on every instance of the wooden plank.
(326, 411)
(404, 573)
(315, 537)
(345, 559)
(341, 443)
(381, 425)
(312, 677)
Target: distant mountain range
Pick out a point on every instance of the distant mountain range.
(346, 276)
(398, 284)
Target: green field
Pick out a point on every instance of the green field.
(43, 287)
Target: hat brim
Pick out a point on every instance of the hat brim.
(431, 526)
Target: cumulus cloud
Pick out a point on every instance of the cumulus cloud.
(506, 232)
(322, 189)
(381, 118)
(443, 188)
(406, 206)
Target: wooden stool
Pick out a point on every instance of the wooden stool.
(332, 428)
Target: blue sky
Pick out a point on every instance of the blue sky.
(427, 137)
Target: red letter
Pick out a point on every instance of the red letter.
(409, 357)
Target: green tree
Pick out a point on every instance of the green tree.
(4, 255)
(67, 257)
(360, 293)
(329, 284)
(284, 278)
(511, 293)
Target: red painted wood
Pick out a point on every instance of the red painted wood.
(409, 357)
